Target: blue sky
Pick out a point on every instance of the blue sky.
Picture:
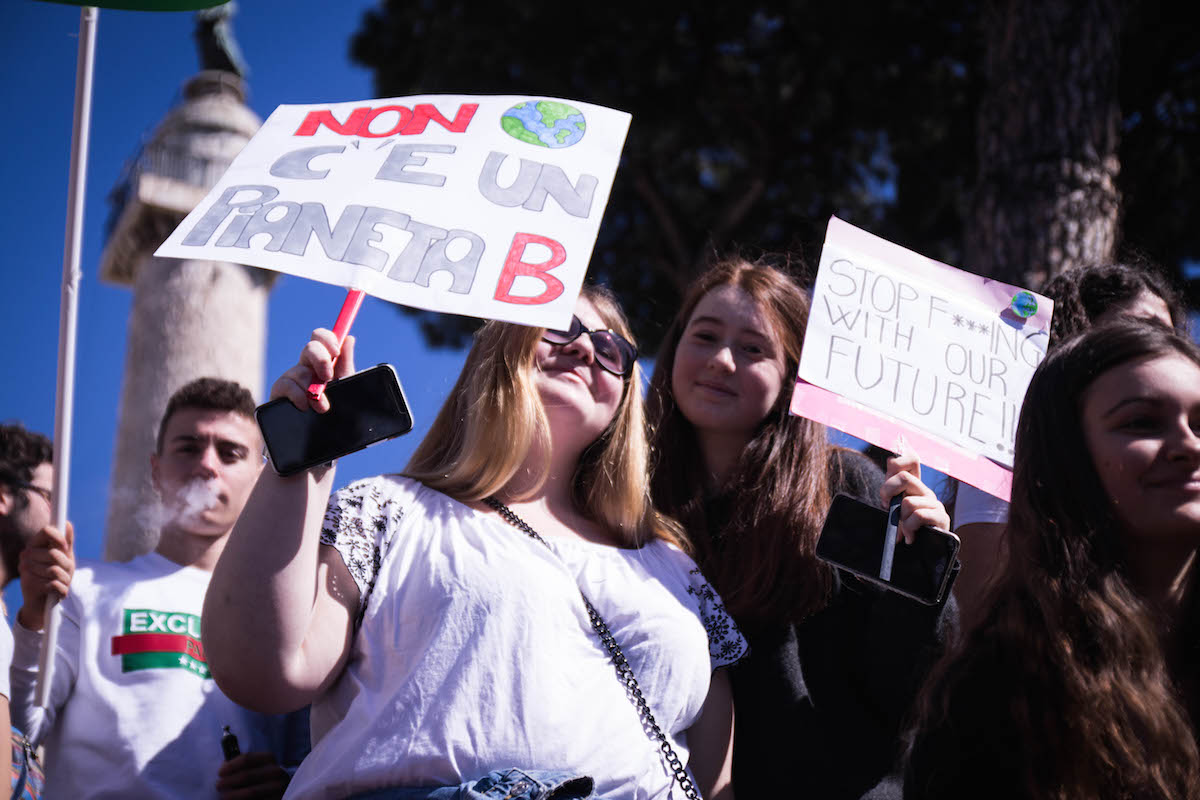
(297, 51)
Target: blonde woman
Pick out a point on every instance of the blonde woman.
(436, 621)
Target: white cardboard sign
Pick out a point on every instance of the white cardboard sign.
(486, 206)
(942, 350)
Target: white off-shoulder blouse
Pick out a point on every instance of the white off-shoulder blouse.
(474, 651)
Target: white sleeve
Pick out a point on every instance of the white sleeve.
(975, 505)
(27, 717)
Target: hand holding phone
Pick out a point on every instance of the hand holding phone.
(364, 408)
(913, 504)
(323, 358)
(854, 538)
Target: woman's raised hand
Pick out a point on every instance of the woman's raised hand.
(321, 361)
(920, 506)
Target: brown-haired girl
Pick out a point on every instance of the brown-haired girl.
(1088, 295)
(834, 663)
(1081, 679)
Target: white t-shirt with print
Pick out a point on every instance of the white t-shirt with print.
(134, 711)
(475, 651)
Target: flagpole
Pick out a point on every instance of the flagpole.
(68, 314)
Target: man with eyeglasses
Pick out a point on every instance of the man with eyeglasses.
(29, 546)
(26, 474)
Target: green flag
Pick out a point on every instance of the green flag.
(146, 5)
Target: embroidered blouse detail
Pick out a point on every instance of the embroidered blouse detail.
(356, 524)
(725, 642)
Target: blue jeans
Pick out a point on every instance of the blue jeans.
(508, 784)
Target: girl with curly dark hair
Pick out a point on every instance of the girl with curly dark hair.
(1097, 292)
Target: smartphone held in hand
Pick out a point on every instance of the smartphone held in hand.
(364, 408)
(853, 539)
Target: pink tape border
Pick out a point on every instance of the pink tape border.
(827, 408)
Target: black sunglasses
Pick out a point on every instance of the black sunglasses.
(42, 490)
(614, 353)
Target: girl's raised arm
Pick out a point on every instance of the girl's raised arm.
(279, 611)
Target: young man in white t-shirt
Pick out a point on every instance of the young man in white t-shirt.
(134, 711)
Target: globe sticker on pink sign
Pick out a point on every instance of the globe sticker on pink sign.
(545, 123)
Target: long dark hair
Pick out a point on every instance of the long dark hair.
(759, 550)
(1100, 706)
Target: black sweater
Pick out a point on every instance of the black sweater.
(821, 705)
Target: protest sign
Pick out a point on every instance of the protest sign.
(486, 206)
(899, 344)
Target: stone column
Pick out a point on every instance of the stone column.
(189, 318)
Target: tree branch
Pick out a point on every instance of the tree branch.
(673, 236)
(740, 204)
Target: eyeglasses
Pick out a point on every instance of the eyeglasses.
(614, 353)
(42, 490)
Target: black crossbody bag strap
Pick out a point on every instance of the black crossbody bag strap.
(624, 670)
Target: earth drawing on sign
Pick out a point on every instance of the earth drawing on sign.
(546, 123)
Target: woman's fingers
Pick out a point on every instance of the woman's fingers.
(918, 511)
(320, 353)
(293, 385)
(319, 363)
(345, 361)
(334, 362)
(904, 462)
(905, 483)
(920, 506)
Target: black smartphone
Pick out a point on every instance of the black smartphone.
(853, 539)
(364, 408)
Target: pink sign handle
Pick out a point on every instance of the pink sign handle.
(354, 299)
